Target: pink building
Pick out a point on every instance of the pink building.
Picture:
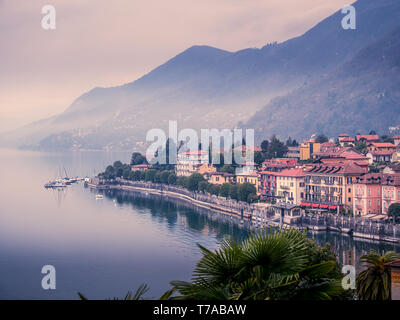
(390, 191)
(368, 194)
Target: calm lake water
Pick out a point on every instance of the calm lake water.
(103, 248)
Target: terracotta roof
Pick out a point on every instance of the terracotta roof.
(347, 139)
(196, 152)
(382, 152)
(336, 169)
(383, 145)
(294, 172)
(225, 174)
(344, 135)
(371, 178)
(397, 136)
(392, 180)
(368, 137)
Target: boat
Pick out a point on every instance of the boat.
(99, 197)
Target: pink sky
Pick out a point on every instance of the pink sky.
(108, 43)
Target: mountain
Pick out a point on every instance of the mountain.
(205, 87)
(361, 95)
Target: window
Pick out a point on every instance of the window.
(369, 191)
(349, 189)
(349, 199)
(369, 203)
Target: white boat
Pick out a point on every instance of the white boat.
(99, 197)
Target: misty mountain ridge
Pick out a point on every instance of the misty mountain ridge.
(206, 87)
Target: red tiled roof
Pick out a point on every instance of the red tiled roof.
(397, 136)
(382, 153)
(336, 169)
(198, 152)
(294, 172)
(383, 145)
(344, 135)
(368, 137)
(347, 139)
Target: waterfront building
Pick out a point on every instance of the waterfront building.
(368, 194)
(267, 184)
(279, 164)
(290, 186)
(307, 148)
(390, 191)
(331, 186)
(221, 178)
(249, 177)
(190, 162)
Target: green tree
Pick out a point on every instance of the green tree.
(276, 148)
(203, 186)
(194, 180)
(164, 176)
(233, 192)
(182, 181)
(394, 212)
(245, 190)
(224, 191)
(264, 146)
(270, 265)
(172, 178)
(321, 138)
(109, 173)
(150, 174)
(374, 282)
(138, 158)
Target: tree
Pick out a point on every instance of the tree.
(270, 265)
(164, 176)
(109, 173)
(372, 132)
(172, 178)
(203, 186)
(321, 138)
(394, 212)
(276, 148)
(361, 147)
(233, 192)
(264, 146)
(137, 158)
(245, 190)
(374, 282)
(194, 180)
(259, 157)
(150, 174)
(224, 191)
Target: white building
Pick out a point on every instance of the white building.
(189, 162)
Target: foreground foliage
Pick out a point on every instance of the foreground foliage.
(374, 283)
(269, 265)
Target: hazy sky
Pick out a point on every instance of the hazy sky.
(108, 43)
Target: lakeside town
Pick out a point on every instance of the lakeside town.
(348, 176)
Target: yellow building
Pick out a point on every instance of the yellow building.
(252, 178)
(221, 178)
(307, 148)
(290, 186)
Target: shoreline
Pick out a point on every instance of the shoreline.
(255, 221)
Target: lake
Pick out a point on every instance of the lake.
(104, 248)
